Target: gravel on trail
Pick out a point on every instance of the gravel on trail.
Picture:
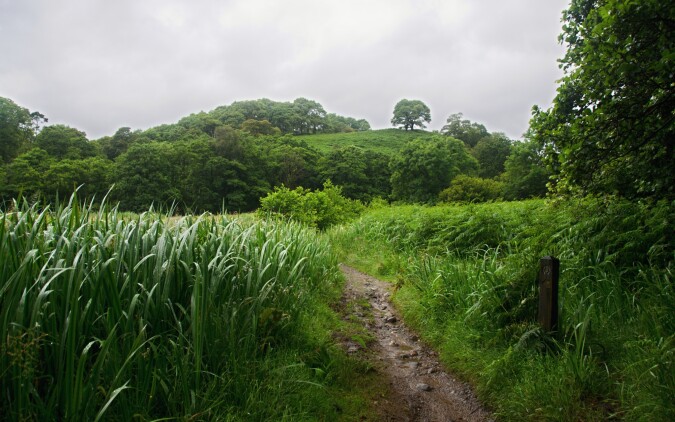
(420, 389)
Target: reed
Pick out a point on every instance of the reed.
(117, 317)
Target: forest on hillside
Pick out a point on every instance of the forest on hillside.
(230, 157)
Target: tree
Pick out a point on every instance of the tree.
(292, 164)
(91, 175)
(464, 130)
(491, 153)
(201, 121)
(144, 175)
(310, 113)
(411, 113)
(62, 141)
(611, 126)
(17, 127)
(361, 174)
(27, 173)
(113, 147)
(259, 127)
(424, 167)
(525, 174)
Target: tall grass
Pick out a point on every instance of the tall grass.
(468, 272)
(106, 316)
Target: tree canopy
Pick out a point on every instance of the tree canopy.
(611, 126)
(411, 113)
(465, 130)
(17, 127)
(425, 167)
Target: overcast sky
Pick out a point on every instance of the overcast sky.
(99, 65)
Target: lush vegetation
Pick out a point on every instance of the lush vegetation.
(466, 278)
(321, 209)
(107, 315)
(214, 161)
(387, 141)
(116, 316)
(611, 126)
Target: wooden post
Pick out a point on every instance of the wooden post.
(549, 271)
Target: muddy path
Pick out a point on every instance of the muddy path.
(419, 388)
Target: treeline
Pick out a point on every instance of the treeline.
(229, 157)
(232, 156)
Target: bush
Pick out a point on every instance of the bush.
(465, 188)
(319, 209)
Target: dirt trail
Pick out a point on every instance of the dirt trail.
(420, 389)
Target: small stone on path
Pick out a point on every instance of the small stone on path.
(423, 387)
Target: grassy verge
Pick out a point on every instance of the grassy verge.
(466, 282)
(110, 316)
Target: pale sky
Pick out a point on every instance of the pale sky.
(98, 65)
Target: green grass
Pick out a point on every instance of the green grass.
(384, 141)
(466, 281)
(108, 316)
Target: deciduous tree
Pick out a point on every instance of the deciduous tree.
(17, 127)
(411, 113)
(465, 130)
(62, 141)
(611, 126)
(424, 167)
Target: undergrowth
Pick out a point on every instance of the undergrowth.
(466, 278)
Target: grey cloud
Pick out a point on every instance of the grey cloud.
(99, 65)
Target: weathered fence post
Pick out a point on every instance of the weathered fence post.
(549, 270)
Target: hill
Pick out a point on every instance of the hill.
(385, 141)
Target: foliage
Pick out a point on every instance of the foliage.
(466, 275)
(464, 130)
(525, 173)
(259, 127)
(113, 147)
(424, 167)
(611, 126)
(18, 126)
(361, 174)
(319, 209)
(491, 152)
(411, 113)
(62, 141)
(187, 174)
(302, 116)
(27, 174)
(465, 188)
(385, 141)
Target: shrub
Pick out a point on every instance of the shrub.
(319, 209)
(465, 188)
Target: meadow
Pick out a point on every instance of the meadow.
(117, 316)
(466, 278)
